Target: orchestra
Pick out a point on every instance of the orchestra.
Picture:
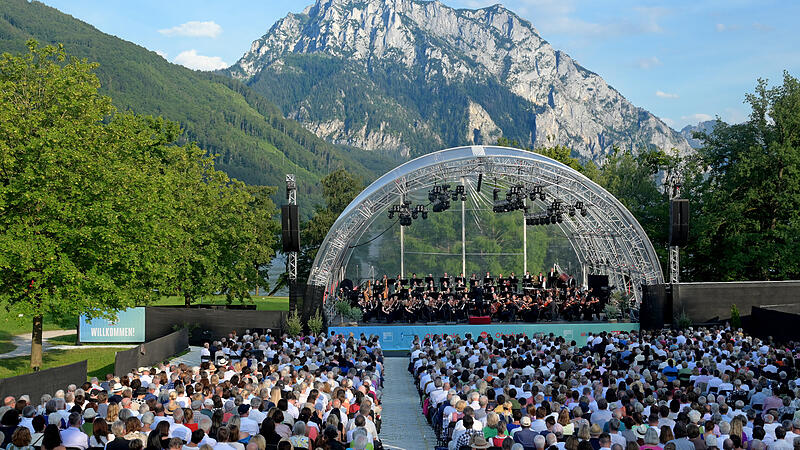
(542, 297)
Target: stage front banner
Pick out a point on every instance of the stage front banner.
(400, 337)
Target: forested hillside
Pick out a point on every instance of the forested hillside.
(254, 142)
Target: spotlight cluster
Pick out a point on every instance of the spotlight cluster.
(555, 213)
(514, 201)
(440, 196)
(406, 213)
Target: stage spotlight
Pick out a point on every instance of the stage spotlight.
(553, 219)
(542, 196)
(391, 215)
(572, 211)
(559, 218)
(584, 213)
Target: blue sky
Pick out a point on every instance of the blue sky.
(684, 61)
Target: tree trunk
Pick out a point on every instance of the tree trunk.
(187, 300)
(36, 343)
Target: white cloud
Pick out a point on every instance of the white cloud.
(663, 94)
(192, 60)
(194, 29)
(161, 53)
(758, 26)
(721, 27)
(648, 63)
(696, 118)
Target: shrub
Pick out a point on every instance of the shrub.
(611, 311)
(315, 323)
(736, 319)
(293, 324)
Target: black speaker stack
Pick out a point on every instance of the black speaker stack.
(290, 227)
(679, 222)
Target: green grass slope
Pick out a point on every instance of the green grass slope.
(255, 143)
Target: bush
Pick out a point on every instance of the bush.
(293, 324)
(736, 319)
(684, 321)
(611, 311)
(315, 323)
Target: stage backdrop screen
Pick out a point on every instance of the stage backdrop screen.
(129, 327)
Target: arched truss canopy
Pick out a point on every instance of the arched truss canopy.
(608, 240)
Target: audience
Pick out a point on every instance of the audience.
(250, 392)
(701, 389)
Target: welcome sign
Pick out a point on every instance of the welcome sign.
(399, 337)
(128, 327)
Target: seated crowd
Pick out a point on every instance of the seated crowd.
(705, 389)
(253, 392)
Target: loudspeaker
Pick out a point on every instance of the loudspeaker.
(679, 222)
(654, 314)
(290, 227)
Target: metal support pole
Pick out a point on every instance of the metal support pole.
(463, 236)
(402, 248)
(524, 241)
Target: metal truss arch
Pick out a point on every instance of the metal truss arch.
(607, 240)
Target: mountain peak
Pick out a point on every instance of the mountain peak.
(474, 55)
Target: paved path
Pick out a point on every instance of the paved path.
(23, 343)
(190, 359)
(404, 427)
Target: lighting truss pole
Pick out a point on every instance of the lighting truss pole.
(674, 250)
(291, 197)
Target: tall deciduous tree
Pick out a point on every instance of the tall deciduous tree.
(78, 201)
(750, 199)
(101, 211)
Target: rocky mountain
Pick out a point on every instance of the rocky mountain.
(702, 127)
(415, 76)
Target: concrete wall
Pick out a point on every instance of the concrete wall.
(705, 302)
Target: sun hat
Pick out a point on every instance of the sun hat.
(595, 430)
(478, 441)
(89, 414)
(640, 431)
(525, 421)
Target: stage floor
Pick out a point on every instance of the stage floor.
(399, 336)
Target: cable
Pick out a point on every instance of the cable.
(376, 237)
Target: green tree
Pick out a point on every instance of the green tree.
(339, 188)
(748, 204)
(80, 199)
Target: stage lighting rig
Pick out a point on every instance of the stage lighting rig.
(459, 193)
(419, 211)
(439, 196)
(514, 201)
(537, 191)
(405, 213)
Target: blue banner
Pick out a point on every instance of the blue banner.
(399, 337)
(129, 327)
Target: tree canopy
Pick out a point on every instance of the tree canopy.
(101, 210)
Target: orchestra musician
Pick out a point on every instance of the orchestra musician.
(553, 297)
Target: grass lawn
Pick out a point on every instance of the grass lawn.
(12, 325)
(101, 361)
(263, 303)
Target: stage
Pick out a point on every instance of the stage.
(396, 337)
